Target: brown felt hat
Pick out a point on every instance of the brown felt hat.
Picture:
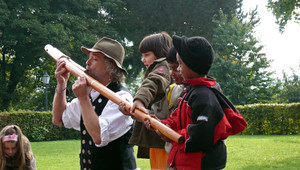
(110, 48)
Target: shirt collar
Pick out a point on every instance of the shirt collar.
(209, 82)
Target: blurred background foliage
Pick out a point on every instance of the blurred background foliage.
(27, 26)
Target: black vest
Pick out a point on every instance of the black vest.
(112, 156)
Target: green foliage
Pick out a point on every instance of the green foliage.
(240, 66)
(284, 11)
(181, 17)
(37, 126)
(290, 92)
(287, 88)
(271, 118)
(261, 119)
(134, 85)
(38, 133)
(27, 26)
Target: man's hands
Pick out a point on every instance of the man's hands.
(122, 108)
(81, 88)
(61, 74)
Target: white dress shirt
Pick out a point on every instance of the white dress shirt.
(113, 123)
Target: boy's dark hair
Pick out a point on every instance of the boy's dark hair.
(195, 52)
(158, 43)
(171, 56)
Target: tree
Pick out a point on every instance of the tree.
(290, 91)
(240, 66)
(27, 26)
(181, 17)
(284, 11)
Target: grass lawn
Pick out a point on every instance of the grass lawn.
(244, 152)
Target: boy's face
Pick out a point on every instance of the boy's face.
(175, 73)
(185, 71)
(148, 58)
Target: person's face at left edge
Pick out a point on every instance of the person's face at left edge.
(95, 65)
(148, 58)
(175, 73)
(10, 148)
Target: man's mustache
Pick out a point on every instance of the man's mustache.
(87, 71)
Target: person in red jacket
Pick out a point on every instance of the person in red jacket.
(204, 116)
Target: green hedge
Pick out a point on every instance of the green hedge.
(37, 126)
(261, 118)
(271, 118)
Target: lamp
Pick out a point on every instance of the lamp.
(46, 79)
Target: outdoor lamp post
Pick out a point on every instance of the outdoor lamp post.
(46, 79)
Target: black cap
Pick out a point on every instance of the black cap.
(195, 52)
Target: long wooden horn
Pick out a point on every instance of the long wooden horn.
(77, 70)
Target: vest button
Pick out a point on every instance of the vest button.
(84, 132)
(90, 142)
(83, 141)
(84, 161)
(89, 161)
(89, 152)
(99, 100)
(83, 151)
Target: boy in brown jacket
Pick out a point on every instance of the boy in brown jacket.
(154, 49)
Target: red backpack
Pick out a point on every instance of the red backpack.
(236, 120)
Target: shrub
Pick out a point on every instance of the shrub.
(37, 126)
(271, 118)
(261, 118)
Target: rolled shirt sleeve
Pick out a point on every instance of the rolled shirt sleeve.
(72, 114)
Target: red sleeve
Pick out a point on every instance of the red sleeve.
(172, 121)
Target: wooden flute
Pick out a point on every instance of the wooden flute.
(78, 70)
